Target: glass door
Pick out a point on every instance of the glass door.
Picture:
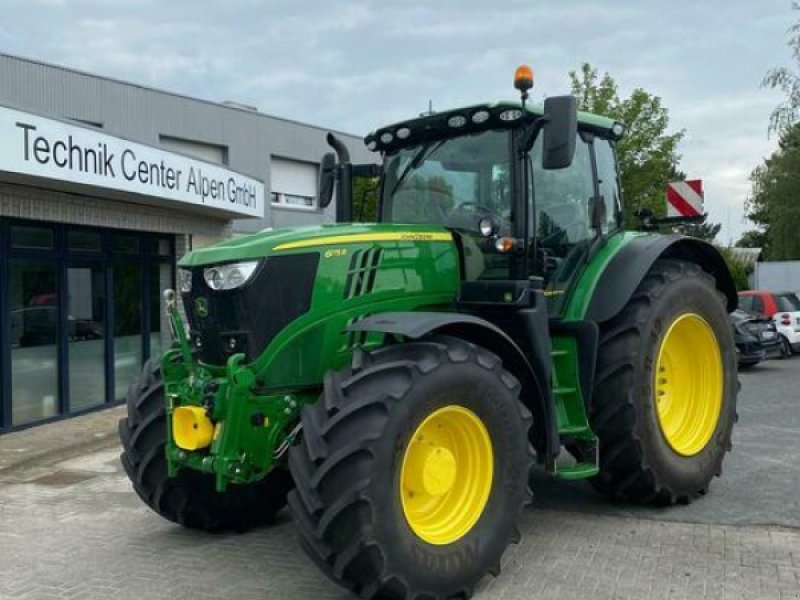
(34, 319)
(127, 325)
(86, 332)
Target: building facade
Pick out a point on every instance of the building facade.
(103, 186)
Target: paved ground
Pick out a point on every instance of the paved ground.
(70, 527)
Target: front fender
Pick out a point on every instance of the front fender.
(536, 393)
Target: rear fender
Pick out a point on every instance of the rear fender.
(629, 266)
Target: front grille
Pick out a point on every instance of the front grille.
(246, 319)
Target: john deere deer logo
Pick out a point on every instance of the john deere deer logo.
(201, 307)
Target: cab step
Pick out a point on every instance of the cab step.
(580, 470)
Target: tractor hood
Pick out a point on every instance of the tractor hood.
(290, 240)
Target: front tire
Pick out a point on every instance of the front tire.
(413, 470)
(664, 401)
(189, 499)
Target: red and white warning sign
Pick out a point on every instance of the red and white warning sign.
(685, 198)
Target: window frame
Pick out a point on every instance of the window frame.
(148, 257)
(282, 204)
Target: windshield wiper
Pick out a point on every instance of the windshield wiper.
(416, 161)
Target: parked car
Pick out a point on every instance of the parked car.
(782, 307)
(37, 325)
(756, 338)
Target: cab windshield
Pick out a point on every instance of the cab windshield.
(455, 182)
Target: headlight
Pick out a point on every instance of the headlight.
(231, 276)
(184, 281)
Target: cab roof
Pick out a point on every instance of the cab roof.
(474, 119)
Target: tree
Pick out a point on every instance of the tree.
(647, 154)
(774, 203)
(753, 239)
(740, 270)
(365, 199)
(703, 231)
(788, 81)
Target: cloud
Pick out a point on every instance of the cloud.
(355, 66)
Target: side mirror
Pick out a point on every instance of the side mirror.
(560, 132)
(327, 179)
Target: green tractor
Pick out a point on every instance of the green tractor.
(395, 382)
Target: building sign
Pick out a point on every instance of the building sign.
(42, 147)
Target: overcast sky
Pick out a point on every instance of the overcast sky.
(356, 65)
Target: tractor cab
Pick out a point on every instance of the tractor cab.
(528, 191)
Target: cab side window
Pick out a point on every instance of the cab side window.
(561, 221)
(561, 198)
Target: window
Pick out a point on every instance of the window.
(24, 237)
(562, 221)
(83, 240)
(293, 183)
(608, 183)
(159, 246)
(78, 320)
(758, 305)
(746, 303)
(292, 200)
(455, 182)
(33, 295)
(787, 302)
(125, 244)
(86, 329)
(127, 325)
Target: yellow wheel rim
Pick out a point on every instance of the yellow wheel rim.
(446, 475)
(688, 384)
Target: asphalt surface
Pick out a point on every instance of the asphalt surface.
(71, 527)
(761, 475)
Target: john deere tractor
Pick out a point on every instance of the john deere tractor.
(395, 382)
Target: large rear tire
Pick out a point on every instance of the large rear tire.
(413, 470)
(664, 401)
(190, 498)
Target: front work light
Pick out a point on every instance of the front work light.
(230, 276)
(511, 114)
(457, 121)
(480, 117)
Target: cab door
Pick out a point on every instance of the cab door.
(561, 220)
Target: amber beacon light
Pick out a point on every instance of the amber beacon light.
(523, 79)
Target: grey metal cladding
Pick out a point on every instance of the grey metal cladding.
(143, 114)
